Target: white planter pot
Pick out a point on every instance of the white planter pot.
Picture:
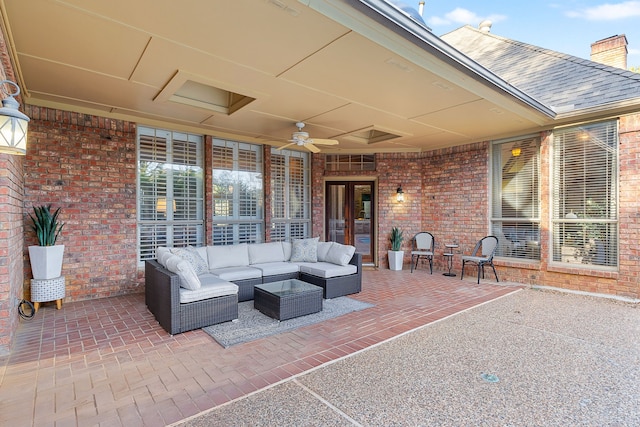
(395, 259)
(46, 261)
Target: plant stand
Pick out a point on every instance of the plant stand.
(44, 290)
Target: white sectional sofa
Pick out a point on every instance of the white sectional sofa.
(213, 279)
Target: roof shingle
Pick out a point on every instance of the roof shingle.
(555, 79)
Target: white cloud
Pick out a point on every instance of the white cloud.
(608, 12)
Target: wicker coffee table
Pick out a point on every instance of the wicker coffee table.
(287, 299)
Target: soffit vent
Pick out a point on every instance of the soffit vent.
(370, 135)
(191, 90)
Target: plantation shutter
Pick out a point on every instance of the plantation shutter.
(170, 190)
(290, 195)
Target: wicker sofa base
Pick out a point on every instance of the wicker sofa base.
(246, 292)
(162, 296)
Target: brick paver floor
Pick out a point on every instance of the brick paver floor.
(107, 362)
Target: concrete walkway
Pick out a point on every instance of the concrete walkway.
(530, 358)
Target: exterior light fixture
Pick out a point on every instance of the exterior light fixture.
(400, 194)
(13, 123)
(515, 152)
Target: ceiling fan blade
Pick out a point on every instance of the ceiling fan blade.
(323, 141)
(312, 147)
(285, 146)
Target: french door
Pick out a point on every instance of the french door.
(350, 215)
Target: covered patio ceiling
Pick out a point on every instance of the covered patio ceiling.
(361, 72)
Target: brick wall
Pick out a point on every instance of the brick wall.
(455, 202)
(11, 238)
(87, 166)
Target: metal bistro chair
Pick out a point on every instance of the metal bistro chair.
(482, 255)
(423, 244)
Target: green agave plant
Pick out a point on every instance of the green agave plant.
(46, 225)
(396, 239)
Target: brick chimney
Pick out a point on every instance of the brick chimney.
(611, 51)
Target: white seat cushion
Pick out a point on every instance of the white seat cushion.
(237, 273)
(425, 253)
(211, 287)
(327, 270)
(273, 268)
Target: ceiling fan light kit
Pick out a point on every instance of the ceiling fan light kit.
(302, 139)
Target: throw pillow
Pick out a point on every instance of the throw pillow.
(188, 278)
(191, 255)
(340, 254)
(305, 250)
(323, 250)
(163, 254)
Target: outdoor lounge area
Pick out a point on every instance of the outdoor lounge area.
(218, 127)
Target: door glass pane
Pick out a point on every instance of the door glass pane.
(336, 214)
(362, 218)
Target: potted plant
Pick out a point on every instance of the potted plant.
(46, 257)
(396, 256)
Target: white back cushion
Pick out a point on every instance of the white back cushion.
(323, 250)
(228, 256)
(340, 254)
(266, 252)
(286, 248)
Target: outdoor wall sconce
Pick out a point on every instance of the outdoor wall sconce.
(515, 152)
(400, 194)
(13, 123)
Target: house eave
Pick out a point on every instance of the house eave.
(487, 84)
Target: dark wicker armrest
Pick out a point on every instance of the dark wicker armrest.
(162, 295)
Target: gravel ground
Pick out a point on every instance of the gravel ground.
(533, 358)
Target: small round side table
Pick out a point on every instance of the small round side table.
(449, 254)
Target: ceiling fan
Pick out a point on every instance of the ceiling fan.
(302, 139)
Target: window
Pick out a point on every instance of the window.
(585, 195)
(515, 208)
(290, 195)
(237, 193)
(170, 190)
(350, 162)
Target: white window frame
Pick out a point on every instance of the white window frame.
(584, 200)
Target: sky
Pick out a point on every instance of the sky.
(569, 26)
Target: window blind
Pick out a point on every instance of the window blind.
(585, 195)
(515, 205)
